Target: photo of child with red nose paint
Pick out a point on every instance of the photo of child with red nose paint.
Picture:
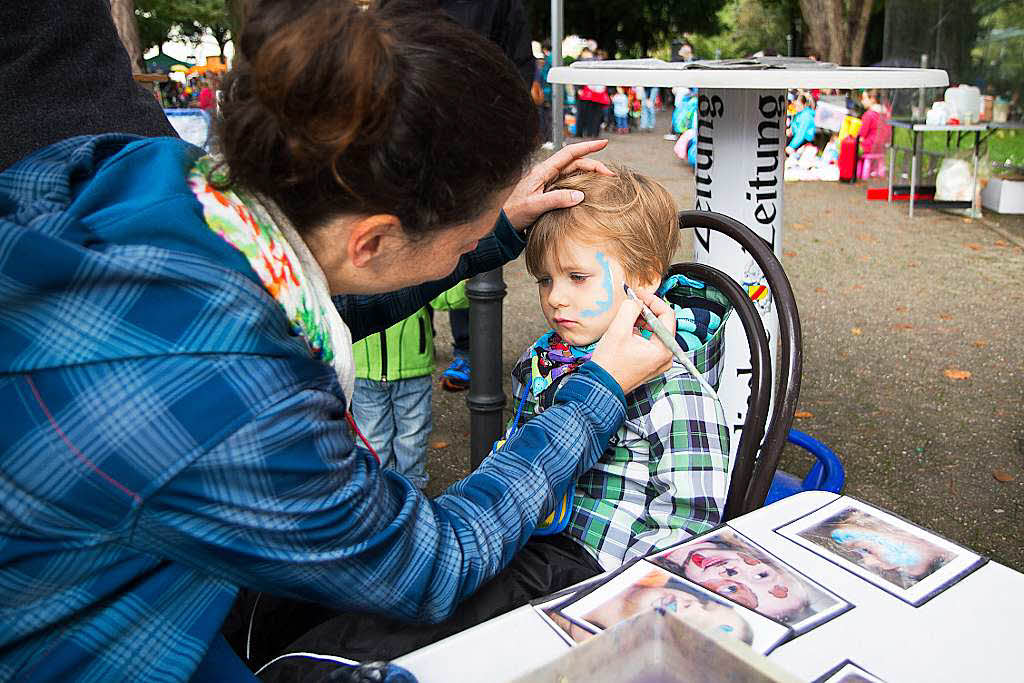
(735, 568)
(642, 587)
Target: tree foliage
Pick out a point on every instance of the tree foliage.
(156, 20)
(745, 27)
(201, 16)
(780, 25)
(629, 28)
(188, 20)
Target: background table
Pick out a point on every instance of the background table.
(917, 131)
(741, 134)
(970, 632)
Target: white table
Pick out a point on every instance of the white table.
(740, 139)
(970, 632)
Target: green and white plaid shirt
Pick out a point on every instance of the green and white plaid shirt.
(663, 476)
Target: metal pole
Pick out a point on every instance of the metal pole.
(920, 94)
(913, 170)
(892, 163)
(975, 208)
(486, 400)
(557, 92)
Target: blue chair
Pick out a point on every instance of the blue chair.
(826, 474)
(755, 470)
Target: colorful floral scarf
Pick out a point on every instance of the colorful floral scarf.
(257, 228)
(553, 357)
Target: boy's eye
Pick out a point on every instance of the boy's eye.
(543, 281)
(578, 277)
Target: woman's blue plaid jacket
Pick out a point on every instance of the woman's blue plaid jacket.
(166, 439)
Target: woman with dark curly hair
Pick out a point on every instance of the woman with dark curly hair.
(175, 377)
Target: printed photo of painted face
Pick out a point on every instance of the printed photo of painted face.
(581, 289)
(732, 567)
(897, 555)
(742, 577)
(701, 611)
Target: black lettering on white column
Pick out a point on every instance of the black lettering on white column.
(739, 172)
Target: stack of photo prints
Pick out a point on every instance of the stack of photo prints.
(725, 583)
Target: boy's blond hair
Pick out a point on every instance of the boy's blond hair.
(629, 213)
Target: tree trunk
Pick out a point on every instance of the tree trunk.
(837, 28)
(818, 37)
(123, 13)
(837, 35)
(859, 32)
(222, 38)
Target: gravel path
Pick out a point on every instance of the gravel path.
(888, 305)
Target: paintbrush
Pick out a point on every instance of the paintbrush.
(669, 340)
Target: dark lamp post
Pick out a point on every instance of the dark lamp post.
(486, 400)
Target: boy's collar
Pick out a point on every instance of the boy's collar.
(552, 340)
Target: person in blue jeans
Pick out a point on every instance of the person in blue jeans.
(391, 404)
(620, 107)
(648, 114)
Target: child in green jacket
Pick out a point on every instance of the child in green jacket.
(391, 405)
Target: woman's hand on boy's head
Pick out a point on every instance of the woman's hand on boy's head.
(529, 200)
(629, 358)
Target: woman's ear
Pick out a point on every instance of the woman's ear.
(372, 238)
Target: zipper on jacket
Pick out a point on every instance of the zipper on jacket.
(383, 356)
(423, 335)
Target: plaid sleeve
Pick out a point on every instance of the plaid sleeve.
(689, 457)
(285, 504)
(367, 314)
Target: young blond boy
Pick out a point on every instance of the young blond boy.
(663, 476)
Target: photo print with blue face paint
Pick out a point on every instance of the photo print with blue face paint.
(643, 587)
(892, 553)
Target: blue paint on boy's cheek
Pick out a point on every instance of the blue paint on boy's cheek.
(604, 305)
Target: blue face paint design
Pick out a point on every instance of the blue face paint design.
(605, 304)
(892, 552)
(666, 602)
(725, 628)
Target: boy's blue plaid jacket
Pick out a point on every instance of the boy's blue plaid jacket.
(166, 439)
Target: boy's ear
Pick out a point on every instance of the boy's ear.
(642, 285)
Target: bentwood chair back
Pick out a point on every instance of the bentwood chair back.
(752, 472)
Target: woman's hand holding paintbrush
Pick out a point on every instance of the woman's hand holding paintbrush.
(668, 337)
(629, 358)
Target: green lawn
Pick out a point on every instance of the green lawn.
(1002, 144)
